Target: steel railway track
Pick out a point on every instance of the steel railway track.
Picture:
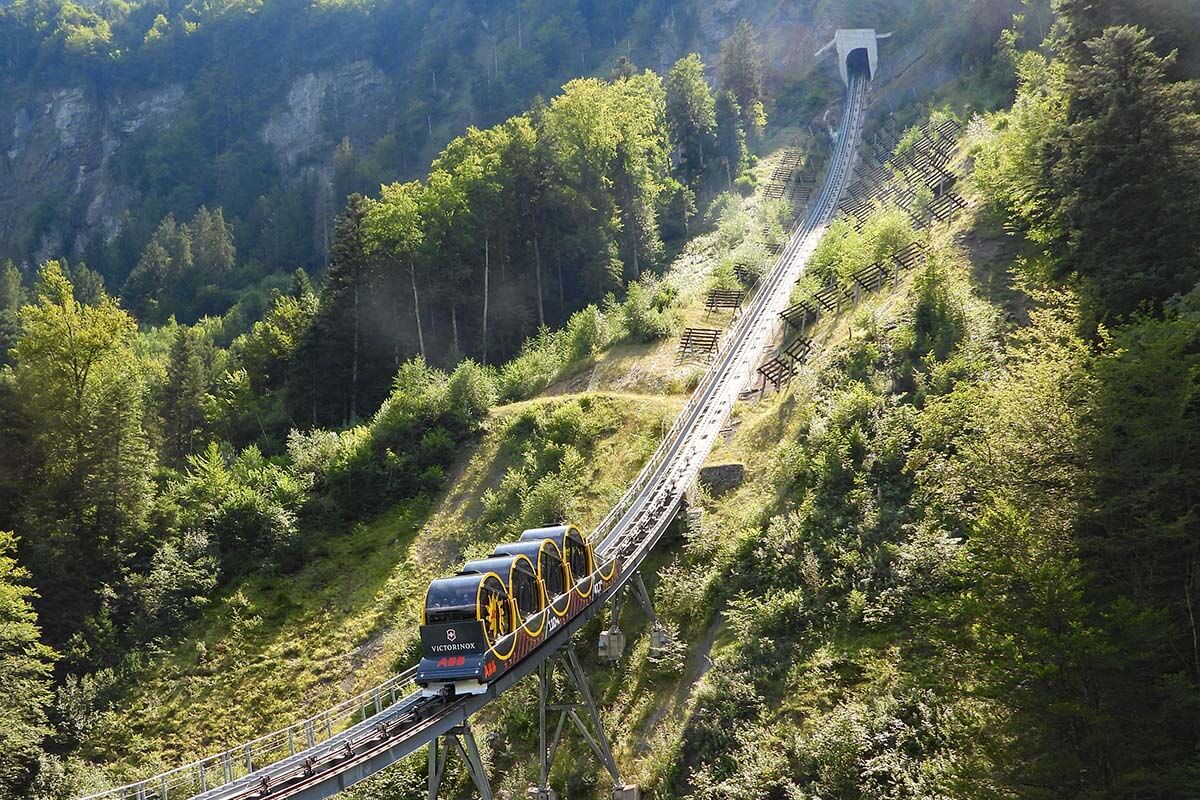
(322, 755)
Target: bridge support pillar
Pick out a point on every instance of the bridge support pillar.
(461, 739)
(612, 640)
(592, 733)
(659, 639)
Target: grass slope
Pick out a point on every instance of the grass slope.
(275, 646)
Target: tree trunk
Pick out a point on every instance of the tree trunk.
(454, 329)
(412, 273)
(486, 266)
(354, 363)
(562, 303)
(537, 271)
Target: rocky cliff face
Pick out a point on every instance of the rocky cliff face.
(58, 147)
(58, 190)
(352, 90)
(55, 153)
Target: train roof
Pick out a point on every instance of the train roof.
(556, 533)
(531, 548)
(460, 591)
(502, 565)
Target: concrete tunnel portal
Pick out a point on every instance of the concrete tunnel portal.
(857, 51)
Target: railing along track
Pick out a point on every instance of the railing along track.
(329, 751)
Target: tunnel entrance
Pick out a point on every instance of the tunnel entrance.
(858, 53)
(858, 61)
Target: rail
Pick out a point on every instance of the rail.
(320, 755)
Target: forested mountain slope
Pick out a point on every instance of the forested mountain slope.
(964, 560)
(114, 115)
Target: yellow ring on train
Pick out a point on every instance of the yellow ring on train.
(524, 588)
(551, 570)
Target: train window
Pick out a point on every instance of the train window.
(570, 542)
(520, 575)
(577, 556)
(551, 569)
(525, 591)
(451, 599)
(545, 554)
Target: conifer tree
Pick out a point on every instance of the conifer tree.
(181, 408)
(12, 294)
(691, 115)
(327, 381)
(212, 244)
(741, 72)
(731, 135)
(1125, 174)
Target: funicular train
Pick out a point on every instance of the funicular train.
(480, 623)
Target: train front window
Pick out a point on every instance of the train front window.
(451, 600)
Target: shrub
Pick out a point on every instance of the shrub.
(774, 215)
(724, 704)
(550, 354)
(730, 219)
(182, 575)
(587, 333)
(246, 505)
(470, 392)
(643, 311)
(908, 141)
(531, 370)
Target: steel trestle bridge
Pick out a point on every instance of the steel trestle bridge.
(326, 753)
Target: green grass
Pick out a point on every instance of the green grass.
(276, 643)
(274, 648)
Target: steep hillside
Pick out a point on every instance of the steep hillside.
(114, 116)
(343, 621)
(243, 668)
(962, 562)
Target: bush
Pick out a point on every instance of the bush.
(548, 446)
(246, 506)
(725, 703)
(587, 333)
(534, 368)
(774, 216)
(362, 467)
(730, 219)
(182, 575)
(550, 354)
(643, 311)
(470, 392)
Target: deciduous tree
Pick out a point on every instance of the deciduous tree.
(86, 509)
(24, 673)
